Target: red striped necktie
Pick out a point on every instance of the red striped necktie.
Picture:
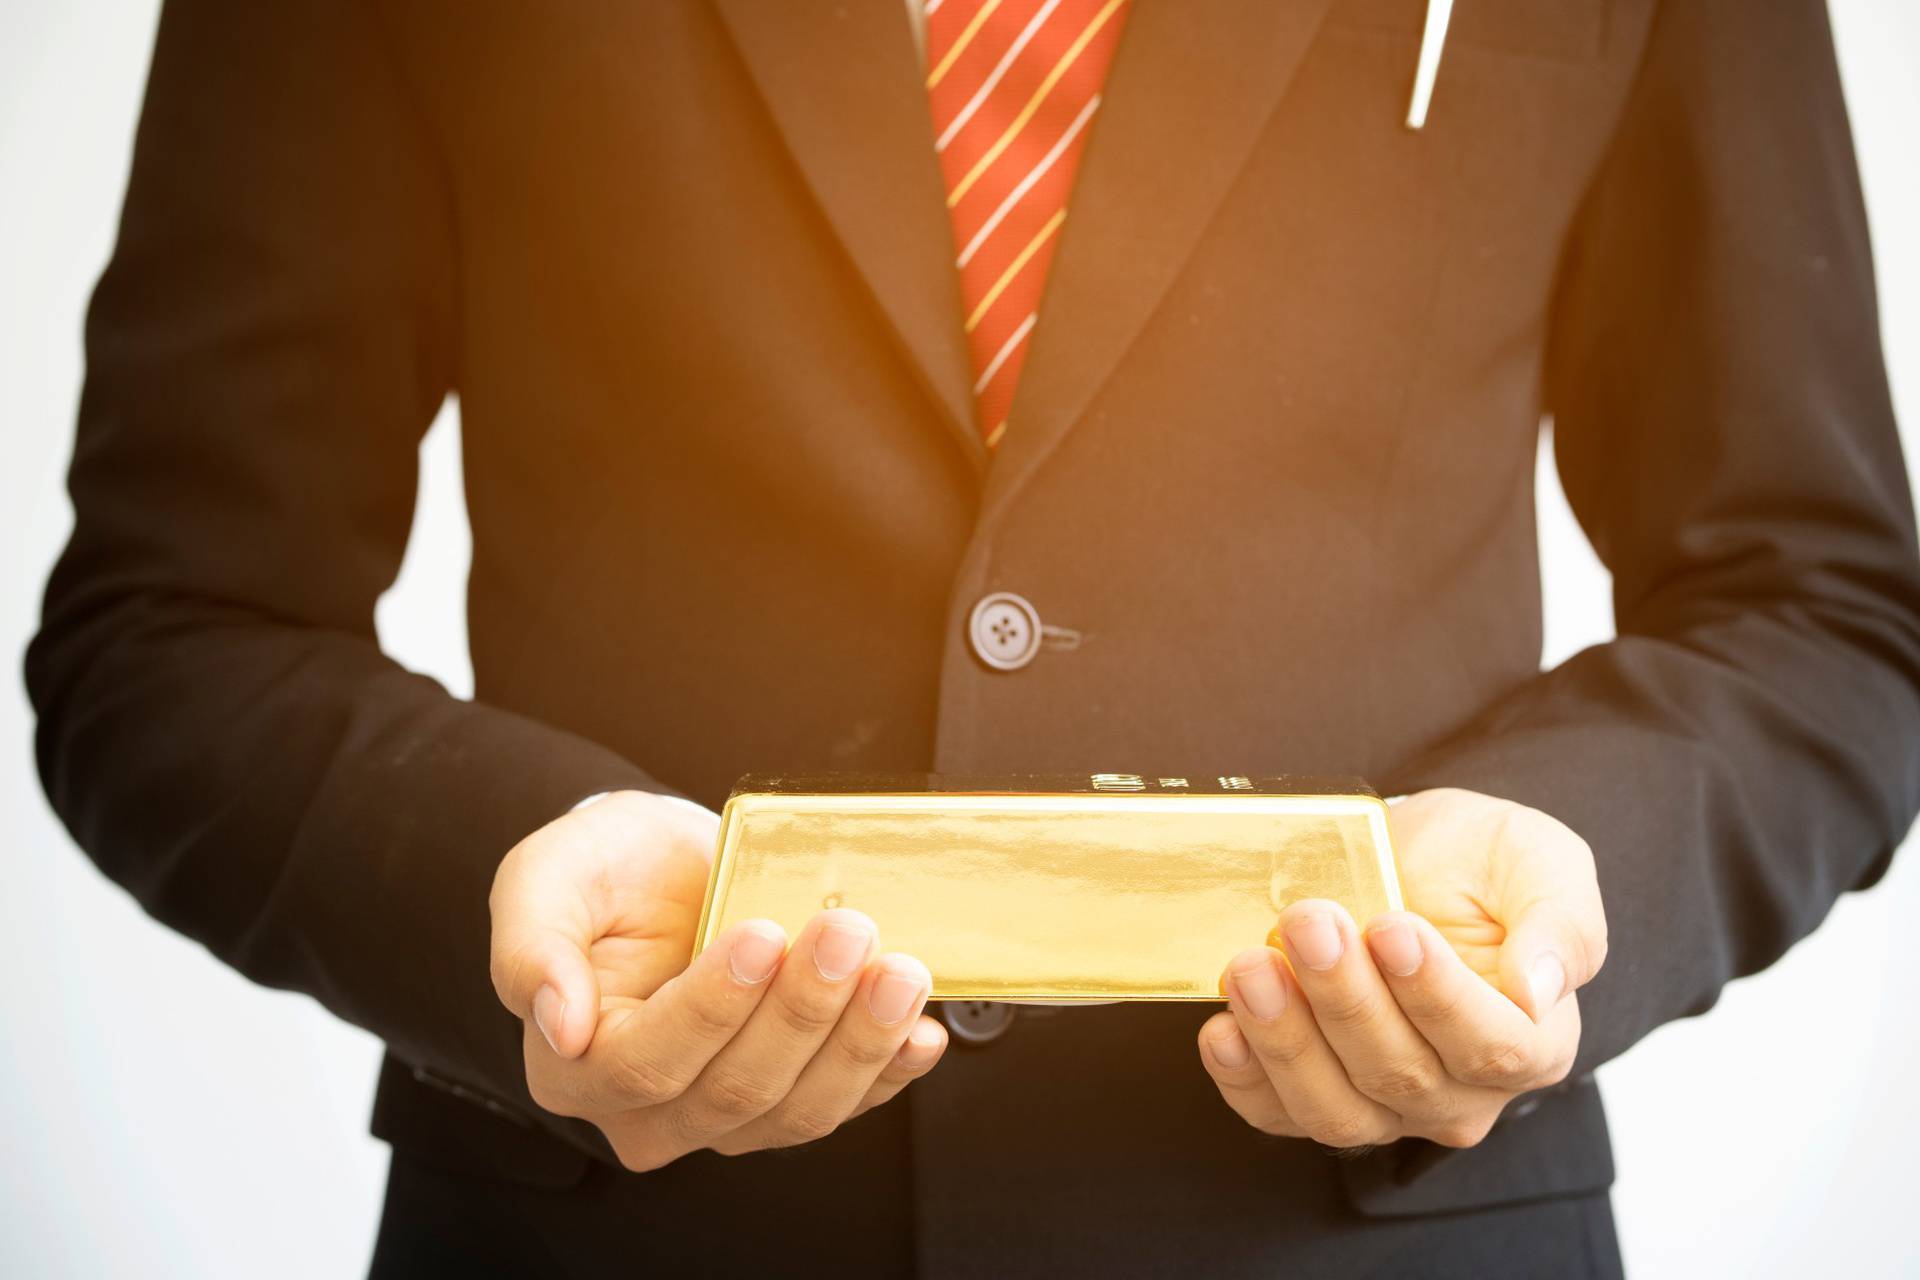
(1015, 85)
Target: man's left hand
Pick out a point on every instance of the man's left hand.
(1446, 1013)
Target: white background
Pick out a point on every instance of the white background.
(160, 1116)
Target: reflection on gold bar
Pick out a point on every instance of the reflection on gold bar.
(1096, 887)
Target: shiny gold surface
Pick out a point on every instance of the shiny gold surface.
(1053, 896)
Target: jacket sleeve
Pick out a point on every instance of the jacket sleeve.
(1748, 748)
(217, 725)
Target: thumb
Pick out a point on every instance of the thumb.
(1556, 929)
(541, 934)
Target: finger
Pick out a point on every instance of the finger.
(760, 1065)
(870, 1032)
(1552, 950)
(1241, 1079)
(1385, 1057)
(1309, 1078)
(924, 1047)
(651, 1052)
(1483, 1038)
(1549, 901)
(542, 930)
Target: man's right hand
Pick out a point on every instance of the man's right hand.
(752, 1045)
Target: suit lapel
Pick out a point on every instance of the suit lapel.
(843, 84)
(1191, 87)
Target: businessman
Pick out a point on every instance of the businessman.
(992, 386)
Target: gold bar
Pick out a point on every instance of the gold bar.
(1095, 887)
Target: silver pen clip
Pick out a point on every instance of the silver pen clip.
(1432, 41)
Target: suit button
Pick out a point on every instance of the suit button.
(1005, 631)
(976, 1021)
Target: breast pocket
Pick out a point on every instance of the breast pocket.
(1567, 30)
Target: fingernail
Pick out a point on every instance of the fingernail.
(1547, 979)
(1397, 948)
(1314, 940)
(898, 989)
(920, 1047)
(1258, 984)
(1229, 1049)
(549, 1010)
(841, 949)
(755, 953)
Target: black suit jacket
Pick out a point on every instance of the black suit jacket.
(686, 264)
